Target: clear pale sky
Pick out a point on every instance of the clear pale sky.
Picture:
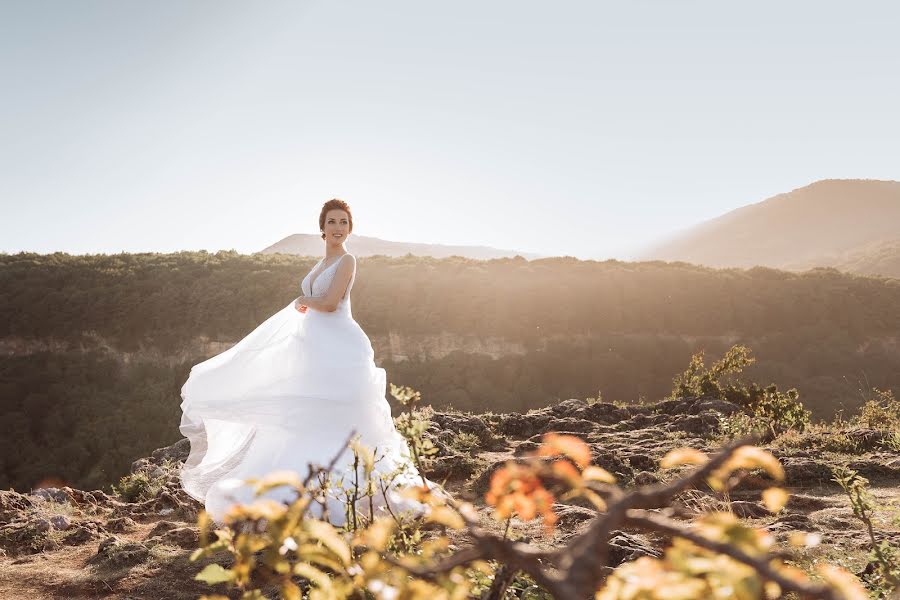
(580, 128)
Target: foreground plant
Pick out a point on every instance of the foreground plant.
(715, 556)
(884, 576)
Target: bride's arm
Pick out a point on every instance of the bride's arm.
(329, 301)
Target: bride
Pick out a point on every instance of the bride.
(291, 392)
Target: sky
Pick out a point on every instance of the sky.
(590, 129)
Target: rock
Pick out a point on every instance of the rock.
(141, 464)
(748, 510)
(453, 467)
(52, 494)
(646, 478)
(568, 425)
(571, 516)
(720, 406)
(183, 537)
(80, 534)
(60, 522)
(177, 452)
(876, 468)
(704, 423)
(838, 518)
(799, 470)
(808, 503)
(640, 462)
(13, 505)
(626, 547)
(791, 522)
(519, 426)
(604, 413)
(41, 525)
(568, 407)
(120, 524)
(161, 528)
(24, 537)
(113, 552)
(463, 423)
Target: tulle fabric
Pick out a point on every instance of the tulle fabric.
(285, 396)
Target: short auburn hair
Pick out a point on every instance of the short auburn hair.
(332, 204)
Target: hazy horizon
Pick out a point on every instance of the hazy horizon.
(589, 129)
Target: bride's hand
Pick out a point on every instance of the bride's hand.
(300, 307)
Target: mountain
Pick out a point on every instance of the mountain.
(877, 258)
(850, 224)
(307, 244)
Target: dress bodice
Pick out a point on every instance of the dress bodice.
(317, 282)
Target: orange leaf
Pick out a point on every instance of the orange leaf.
(573, 447)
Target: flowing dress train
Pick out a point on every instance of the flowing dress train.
(285, 396)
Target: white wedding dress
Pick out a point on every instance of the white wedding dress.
(287, 395)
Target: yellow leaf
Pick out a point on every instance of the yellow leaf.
(598, 474)
(275, 479)
(262, 508)
(366, 454)
(214, 573)
(290, 591)
(313, 574)
(803, 539)
(377, 535)
(325, 533)
(682, 456)
(848, 585)
(203, 523)
(792, 573)
(468, 511)
(774, 498)
(598, 502)
(446, 516)
(565, 471)
(751, 457)
(317, 555)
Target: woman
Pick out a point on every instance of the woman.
(290, 393)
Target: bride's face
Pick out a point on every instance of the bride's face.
(337, 226)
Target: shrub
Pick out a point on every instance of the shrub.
(767, 409)
(137, 487)
(884, 578)
(880, 412)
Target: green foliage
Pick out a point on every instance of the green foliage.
(881, 412)
(884, 579)
(698, 380)
(137, 487)
(780, 412)
(464, 443)
(767, 410)
(82, 418)
(414, 423)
